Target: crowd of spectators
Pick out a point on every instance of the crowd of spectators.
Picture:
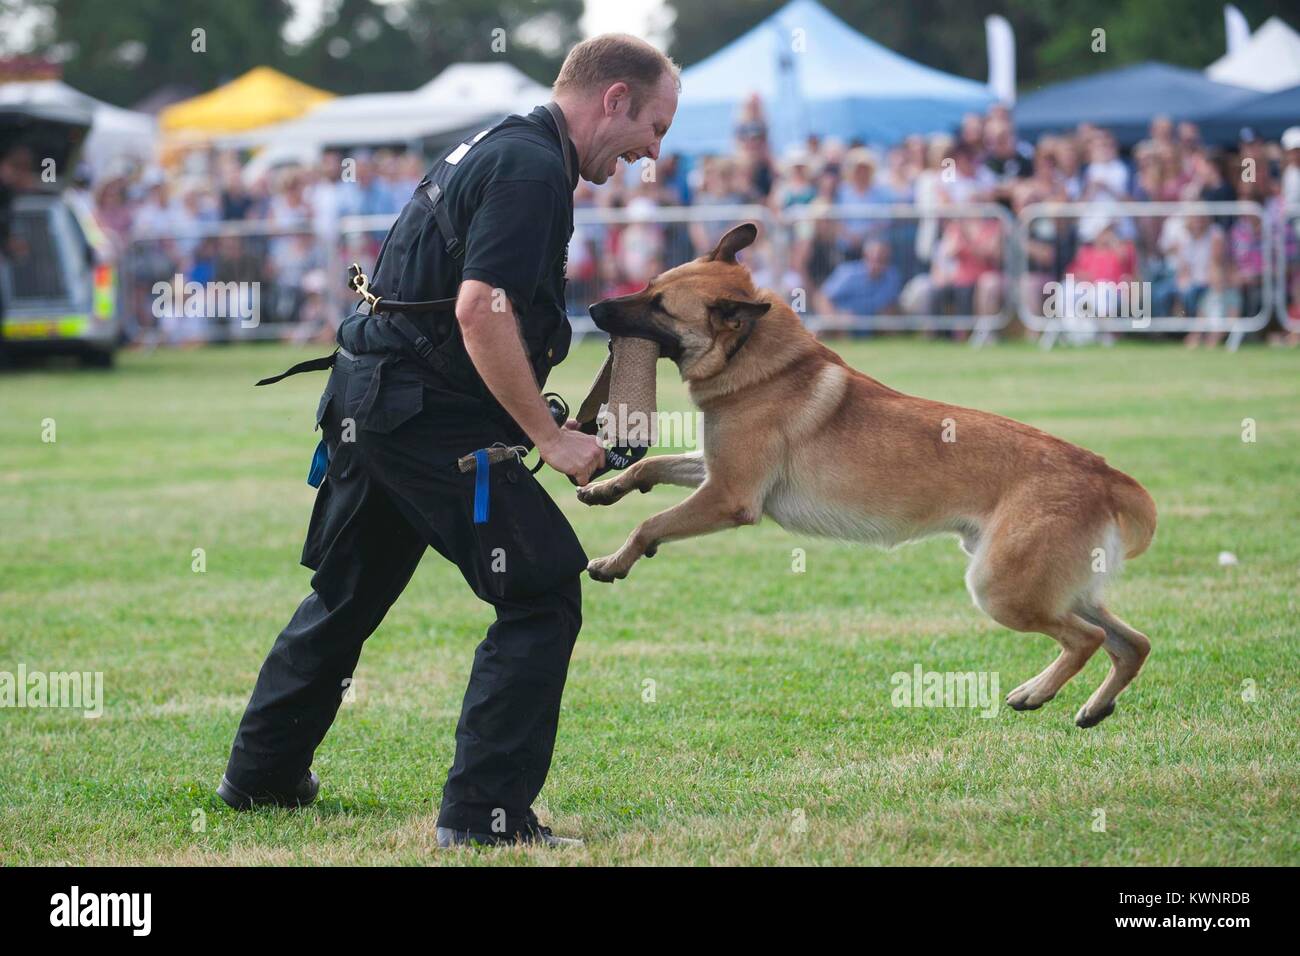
(921, 257)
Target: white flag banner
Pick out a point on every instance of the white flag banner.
(1236, 28)
(1002, 57)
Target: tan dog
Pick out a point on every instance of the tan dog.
(791, 431)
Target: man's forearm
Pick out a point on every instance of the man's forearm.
(494, 346)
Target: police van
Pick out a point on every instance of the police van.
(58, 275)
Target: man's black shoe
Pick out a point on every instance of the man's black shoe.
(447, 838)
(300, 796)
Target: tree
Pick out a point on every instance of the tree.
(120, 51)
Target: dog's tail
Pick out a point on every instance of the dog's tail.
(1135, 514)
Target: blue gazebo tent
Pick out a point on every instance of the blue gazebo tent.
(1124, 101)
(1268, 114)
(816, 74)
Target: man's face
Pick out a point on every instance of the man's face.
(1001, 141)
(876, 256)
(621, 135)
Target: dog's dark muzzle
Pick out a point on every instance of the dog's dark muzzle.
(610, 316)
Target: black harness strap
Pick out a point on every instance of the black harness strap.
(417, 339)
(311, 365)
(455, 248)
(561, 127)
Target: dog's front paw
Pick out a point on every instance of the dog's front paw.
(601, 492)
(607, 569)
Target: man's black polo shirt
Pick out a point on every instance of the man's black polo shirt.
(511, 205)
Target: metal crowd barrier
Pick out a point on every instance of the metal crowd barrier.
(912, 269)
(1175, 262)
(961, 269)
(230, 281)
(1287, 266)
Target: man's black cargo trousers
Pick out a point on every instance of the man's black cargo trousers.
(390, 492)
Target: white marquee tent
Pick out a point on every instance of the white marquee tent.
(116, 134)
(1269, 61)
(461, 96)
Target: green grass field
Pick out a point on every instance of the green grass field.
(771, 737)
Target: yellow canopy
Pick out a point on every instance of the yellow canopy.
(259, 97)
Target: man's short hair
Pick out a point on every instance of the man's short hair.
(600, 62)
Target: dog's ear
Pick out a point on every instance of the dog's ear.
(736, 313)
(735, 240)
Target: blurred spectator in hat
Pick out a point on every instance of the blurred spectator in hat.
(860, 188)
(858, 185)
(796, 186)
(1291, 166)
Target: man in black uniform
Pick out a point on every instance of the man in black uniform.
(410, 394)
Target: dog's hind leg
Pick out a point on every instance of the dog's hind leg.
(1079, 640)
(686, 471)
(1128, 649)
(1023, 575)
